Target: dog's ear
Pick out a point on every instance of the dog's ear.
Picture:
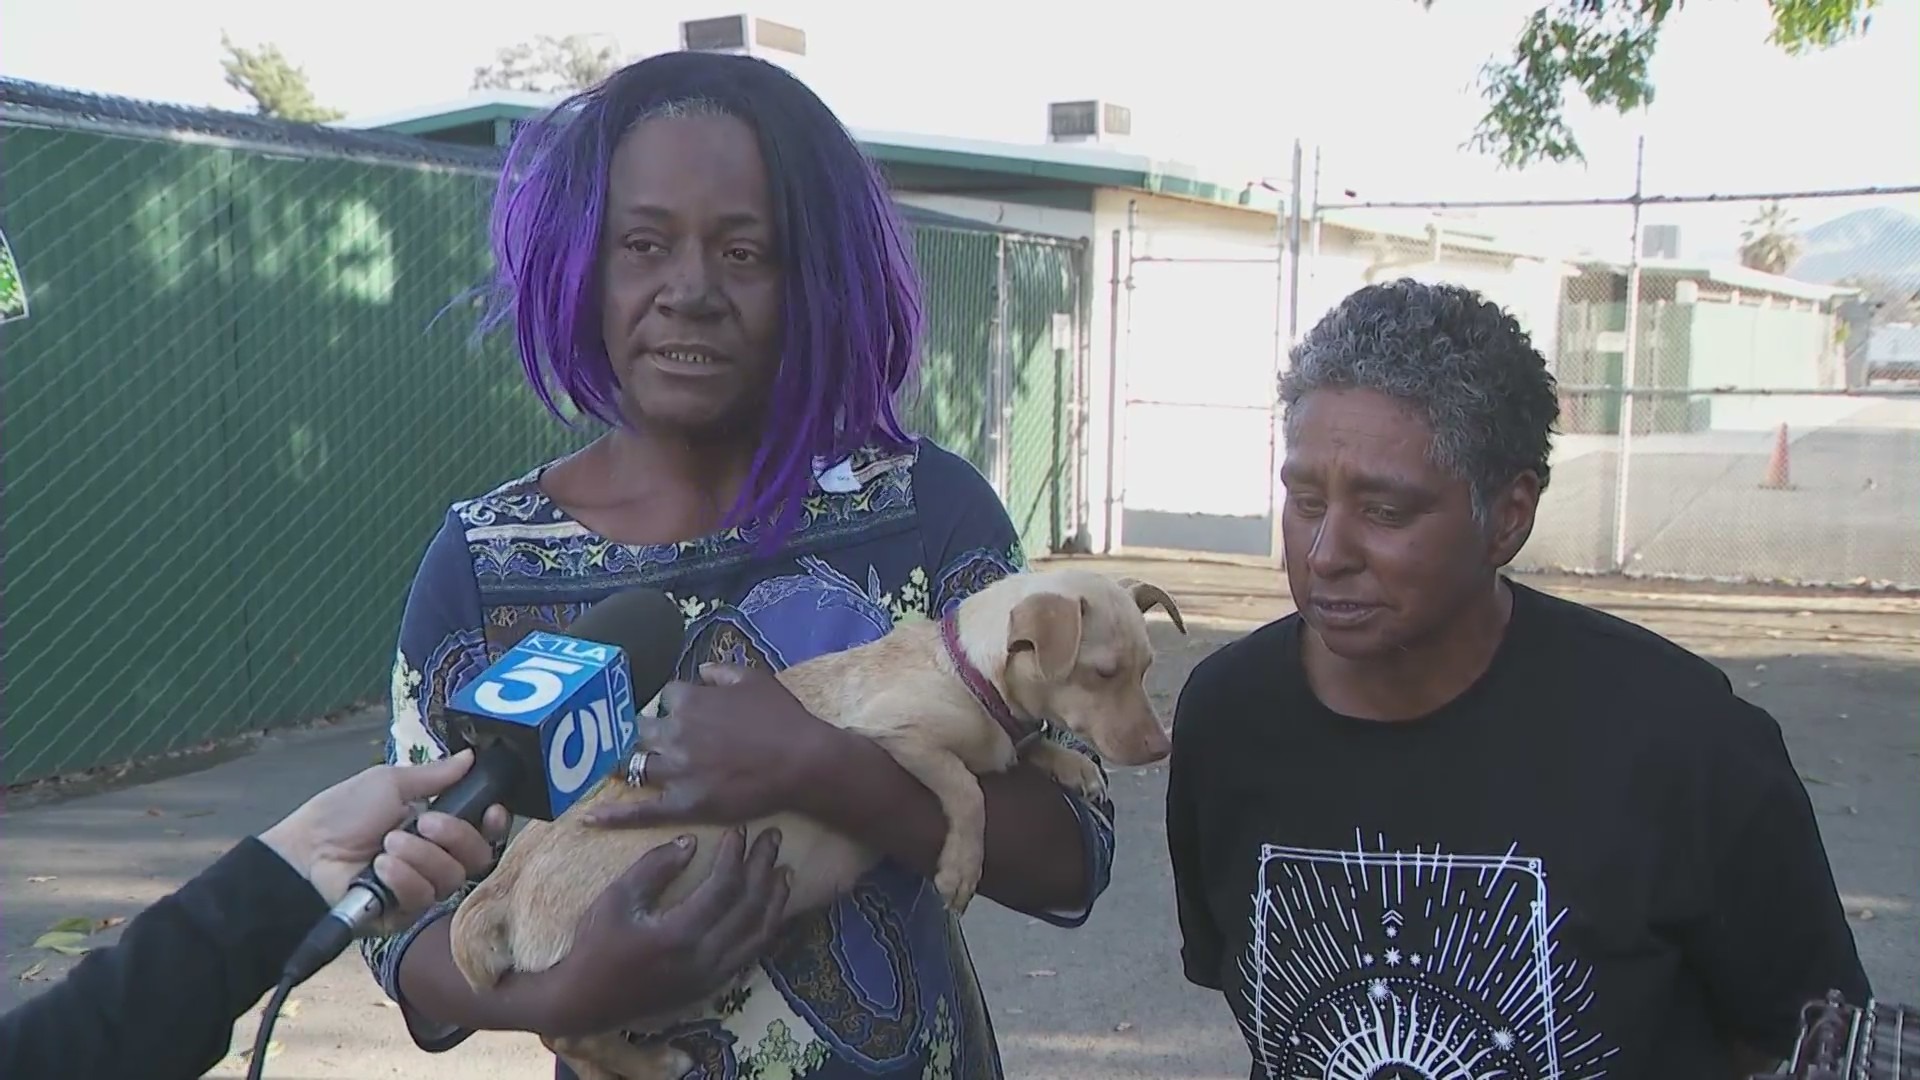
(1048, 625)
(1147, 596)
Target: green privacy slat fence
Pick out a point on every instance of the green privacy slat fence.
(246, 390)
(997, 375)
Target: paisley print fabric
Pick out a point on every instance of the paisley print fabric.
(880, 984)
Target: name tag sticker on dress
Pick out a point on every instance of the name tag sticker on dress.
(839, 479)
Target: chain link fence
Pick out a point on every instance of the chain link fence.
(1002, 375)
(1740, 400)
(241, 388)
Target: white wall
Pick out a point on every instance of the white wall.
(1196, 438)
(1193, 445)
(1528, 288)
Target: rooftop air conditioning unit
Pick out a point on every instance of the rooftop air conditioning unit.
(1660, 242)
(745, 35)
(1088, 122)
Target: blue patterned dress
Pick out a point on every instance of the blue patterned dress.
(881, 984)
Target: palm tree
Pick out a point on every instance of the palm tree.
(1769, 243)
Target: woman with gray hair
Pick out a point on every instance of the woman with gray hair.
(1368, 799)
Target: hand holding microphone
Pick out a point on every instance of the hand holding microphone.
(332, 837)
(540, 728)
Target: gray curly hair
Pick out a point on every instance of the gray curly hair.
(1453, 355)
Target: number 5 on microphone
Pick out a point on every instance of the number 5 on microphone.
(570, 698)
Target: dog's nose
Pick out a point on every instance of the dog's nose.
(1142, 744)
(1155, 745)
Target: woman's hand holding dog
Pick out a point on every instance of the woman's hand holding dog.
(632, 958)
(731, 748)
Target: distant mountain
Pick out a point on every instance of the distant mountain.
(1880, 242)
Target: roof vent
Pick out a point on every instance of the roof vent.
(745, 35)
(1088, 122)
(1660, 242)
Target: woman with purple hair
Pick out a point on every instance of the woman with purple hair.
(696, 254)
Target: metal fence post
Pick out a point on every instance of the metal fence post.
(1002, 372)
(1630, 354)
(1082, 407)
(1286, 331)
(1113, 398)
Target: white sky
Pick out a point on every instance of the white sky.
(1384, 87)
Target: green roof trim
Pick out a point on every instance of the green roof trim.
(1030, 168)
(474, 114)
(1047, 165)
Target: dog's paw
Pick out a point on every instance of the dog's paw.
(957, 874)
(1072, 771)
(612, 1056)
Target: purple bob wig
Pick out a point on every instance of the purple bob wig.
(851, 312)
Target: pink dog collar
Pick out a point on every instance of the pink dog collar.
(1022, 732)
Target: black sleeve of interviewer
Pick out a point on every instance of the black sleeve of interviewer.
(160, 1004)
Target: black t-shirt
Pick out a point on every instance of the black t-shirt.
(1597, 861)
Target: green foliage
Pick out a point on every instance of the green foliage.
(550, 65)
(13, 295)
(276, 84)
(1770, 242)
(1603, 48)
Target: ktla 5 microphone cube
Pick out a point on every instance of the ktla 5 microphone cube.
(546, 723)
(562, 705)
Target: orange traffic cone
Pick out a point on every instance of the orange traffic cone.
(1778, 477)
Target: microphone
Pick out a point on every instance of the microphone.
(546, 722)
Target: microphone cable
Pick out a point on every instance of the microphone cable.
(263, 1037)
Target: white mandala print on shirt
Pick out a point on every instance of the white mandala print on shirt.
(1388, 965)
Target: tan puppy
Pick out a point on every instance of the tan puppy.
(1066, 645)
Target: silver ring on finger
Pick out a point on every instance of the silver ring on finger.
(637, 767)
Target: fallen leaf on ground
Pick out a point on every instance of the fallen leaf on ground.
(109, 923)
(1123, 1026)
(64, 942)
(77, 924)
(33, 972)
(273, 1047)
(40, 879)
